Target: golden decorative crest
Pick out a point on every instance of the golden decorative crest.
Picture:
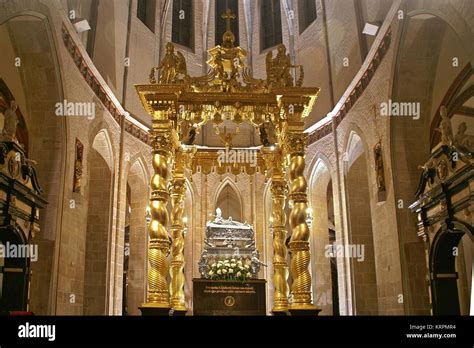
(228, 72)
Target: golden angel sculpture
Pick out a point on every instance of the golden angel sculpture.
(172, 67)
(278, 69)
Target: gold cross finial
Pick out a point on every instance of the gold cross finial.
(228, 16)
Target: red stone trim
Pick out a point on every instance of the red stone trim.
(99, 91)
(356, 92)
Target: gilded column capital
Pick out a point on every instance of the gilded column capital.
(163, 142)
(294, 143)
(279, 188)
(274, 162)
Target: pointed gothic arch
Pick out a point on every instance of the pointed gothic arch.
(363, 269)
(99, 208)
(229, 199)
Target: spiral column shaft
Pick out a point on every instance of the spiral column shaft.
(178, 190)
(159, 243)
(280, 267)
(301, 292)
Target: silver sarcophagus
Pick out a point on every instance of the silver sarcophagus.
(229, 251)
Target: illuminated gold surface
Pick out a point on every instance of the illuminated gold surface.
(178, 191)
(159, 243)
(279, 190)
(294, 143)
(178, 102)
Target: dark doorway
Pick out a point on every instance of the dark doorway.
(444, 275)
(14, 271)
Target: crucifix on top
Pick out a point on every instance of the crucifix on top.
(228, 38)
(228, 16)
(227, 60)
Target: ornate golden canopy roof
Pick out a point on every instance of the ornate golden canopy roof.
(228, 91)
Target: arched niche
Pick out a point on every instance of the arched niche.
(229, 201)
(360, 248)
(99, 205)
(323, 264)
(135, 239)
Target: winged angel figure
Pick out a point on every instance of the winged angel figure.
(172, 66)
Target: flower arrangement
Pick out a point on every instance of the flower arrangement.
(230, 269)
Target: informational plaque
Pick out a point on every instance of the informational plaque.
(221, 297)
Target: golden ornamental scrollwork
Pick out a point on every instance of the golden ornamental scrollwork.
(279, 189)
(180, 105)
(294, 143)
(163, 143)
(228, 72)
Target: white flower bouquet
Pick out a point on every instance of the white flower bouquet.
(229, 269)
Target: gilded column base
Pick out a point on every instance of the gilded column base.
(280, 313)
(154, 309)
(280, 306)
(177, 298)
(178, 312)
(304, 310)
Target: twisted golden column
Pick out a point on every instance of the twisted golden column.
(295, 145)
(178, 189)
(183, 156)
(159, 243)
(280, 267)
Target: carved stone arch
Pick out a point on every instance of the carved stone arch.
(230, 183)
(323, 285)
(449, 15)
(34, 73)
(138, 158)
(357, 189)
(163, 26)
(317, 160)
(102, 144)
(354, 147)
(464, 227)
(135, 237)
(99, 195)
